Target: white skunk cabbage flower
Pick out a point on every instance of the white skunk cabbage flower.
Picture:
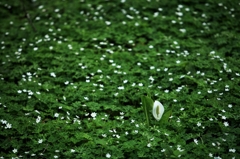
(158, 110)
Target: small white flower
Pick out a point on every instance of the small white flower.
(108, 155)
(72, 150)
(196, 141)
(149, 145)
(166, 91)
(121, 87)
(232, 150)
(8, 126)
(108, 23)
(40, 141)
(38, 119)
(56, 115)
(182, 30)
(199, 124)
(182, 109)
(140, 84)
(158, 110)
(15, 150)
(226, 124)
(179, 148)
(152, 68)
(151, 79)
(93, 114)
(53, 74)
(3, 121)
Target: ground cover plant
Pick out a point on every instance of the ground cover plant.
(73, 74)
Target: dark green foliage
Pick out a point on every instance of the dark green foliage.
(72, 74)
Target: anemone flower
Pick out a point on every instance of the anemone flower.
(158, 110)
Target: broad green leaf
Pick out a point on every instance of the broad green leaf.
(165, 117)
(147, 105)
(149, 102)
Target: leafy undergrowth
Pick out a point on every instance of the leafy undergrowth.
(73, 73)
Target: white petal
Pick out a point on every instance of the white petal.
(157, 115)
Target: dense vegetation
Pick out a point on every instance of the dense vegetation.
(72, 74)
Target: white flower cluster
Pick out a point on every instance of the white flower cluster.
(8, 125)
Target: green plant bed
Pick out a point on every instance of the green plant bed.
(72, 75)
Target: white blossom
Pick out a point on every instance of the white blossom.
(158, 110)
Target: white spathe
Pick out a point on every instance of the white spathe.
(158, 110)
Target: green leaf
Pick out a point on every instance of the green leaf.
(149, 102)
(87, 136)
(28, 108)
(101, 142)
(147, 105)
(165, 117)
